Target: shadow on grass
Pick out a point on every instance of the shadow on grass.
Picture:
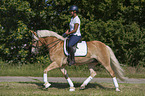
(66, 85)
(93, 85)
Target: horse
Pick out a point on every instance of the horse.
(97, 52)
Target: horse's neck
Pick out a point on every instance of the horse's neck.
(51, 39)
(51, 42)
(54, 45)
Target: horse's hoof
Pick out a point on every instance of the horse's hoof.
(117, 90)
(72, 89)
(47, 85)
(82, 87)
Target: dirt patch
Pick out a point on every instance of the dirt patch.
(63, 80)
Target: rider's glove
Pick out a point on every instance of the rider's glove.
(64, 35)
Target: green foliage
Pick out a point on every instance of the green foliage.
(117, 23)
(127, 41)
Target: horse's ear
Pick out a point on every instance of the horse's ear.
(33, 32)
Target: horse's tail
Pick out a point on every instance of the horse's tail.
(115, 65)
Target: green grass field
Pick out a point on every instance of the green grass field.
(62, 89)
(36, 70)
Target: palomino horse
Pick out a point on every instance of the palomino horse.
(97, 52)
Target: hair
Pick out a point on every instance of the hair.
(46, 33)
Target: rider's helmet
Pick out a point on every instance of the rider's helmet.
(73, 8)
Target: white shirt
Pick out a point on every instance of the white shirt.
(72, 23)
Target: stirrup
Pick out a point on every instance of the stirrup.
(72, 62)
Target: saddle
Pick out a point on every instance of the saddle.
(80, 48)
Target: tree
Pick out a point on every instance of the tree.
(117, 23)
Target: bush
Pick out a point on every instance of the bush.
(119, 24)
(127, 41)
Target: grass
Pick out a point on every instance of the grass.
(36, 70)
(62, 89)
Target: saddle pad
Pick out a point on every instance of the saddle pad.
(81, 49)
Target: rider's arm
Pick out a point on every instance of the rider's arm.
(73, 31)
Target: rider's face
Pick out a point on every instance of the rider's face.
(72, 13)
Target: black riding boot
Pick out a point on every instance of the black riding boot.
(71, 59)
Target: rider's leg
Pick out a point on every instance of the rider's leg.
(71, 56)
(72, 41)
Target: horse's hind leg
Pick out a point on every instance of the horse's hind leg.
(109, 69)
(53, 65)
(106, 63)
(72, 88)
(92, 74)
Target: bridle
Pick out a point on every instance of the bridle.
(56, 42)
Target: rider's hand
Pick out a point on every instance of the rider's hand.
(64, 35)
(67, 32)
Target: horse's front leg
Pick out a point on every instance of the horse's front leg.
(72, 88)
(53, 65)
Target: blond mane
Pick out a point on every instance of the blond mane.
(46, 33)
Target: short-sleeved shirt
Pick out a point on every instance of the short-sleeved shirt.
(72, 23)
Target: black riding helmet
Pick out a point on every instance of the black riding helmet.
(73, 8)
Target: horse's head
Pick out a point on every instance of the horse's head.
(36, 43)
(41, 37)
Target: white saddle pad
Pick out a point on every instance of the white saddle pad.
(81, 49)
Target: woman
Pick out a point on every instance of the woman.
(73, 32)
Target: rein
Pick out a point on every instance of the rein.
(48, 44)
(57, 41)
(52, 43)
